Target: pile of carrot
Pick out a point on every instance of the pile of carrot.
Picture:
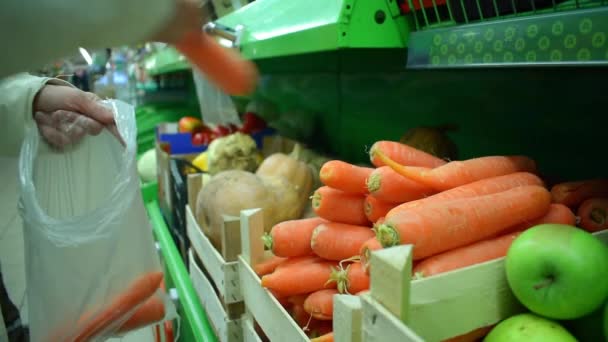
(456, 214)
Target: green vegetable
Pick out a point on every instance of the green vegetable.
(237, 151)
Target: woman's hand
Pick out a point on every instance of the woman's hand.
(64, 115)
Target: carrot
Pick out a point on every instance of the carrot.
(381, 220)
(300, 315)
(338, 206)
(389, 186)
(345, 177)
(317, 328)
(558, 213)
(471, 336)
(137, 293)
(320, 304)
(482, 187)
(402, 154)
(298, 261)
(365, 253)
(292, 238)
(339, 241)
(151, 311)
(375, 208)
(461, 257)
(593, 214)
(573, 194)
(268, 266)
(438, 227)
(222, 66)
(329, 337)
(300, 279)
(351, 279)
(457, 173)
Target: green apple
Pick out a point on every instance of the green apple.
(529, 328)
(558, 271)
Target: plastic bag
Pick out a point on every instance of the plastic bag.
(92, 268)
(217, 108)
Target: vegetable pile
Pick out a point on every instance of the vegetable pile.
(455, 214)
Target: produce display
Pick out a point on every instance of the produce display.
(456, 214)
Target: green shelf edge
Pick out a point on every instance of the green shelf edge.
(191, 305)
(165, 61)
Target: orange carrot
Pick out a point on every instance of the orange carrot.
(375, 208)
(339, 206)
(318, 328)
(573, 194)
(457, 173)
(381, 220)
(300, 315)
(402, 154)
(482, 187)
(366, 250)
(297, 261)
(151, 311)
(300, 279)
(471, 336)
(558, 213)
(292, 238)
(329, 337)
(593, 214)
(320, 304)
(339, 241)
(473, 254)
(345, 177)
(389, 186)
(141, 289)
(351, 279)
(438, 227)
(268, 266)
(222, 66)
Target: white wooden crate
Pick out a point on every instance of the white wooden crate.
(224, 274)
(226, 329)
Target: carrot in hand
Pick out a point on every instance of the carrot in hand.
(438, 227)
(224, 67)
(339, 241)
(151, 311)
(352, 279)
(269, 265)
(593, 214)
(365, 253)
(389, 186)
(457, 173)
(402, 154)
(345, 177)
(141, 289)
(320, 304)
(473, 254)
(292, 238)
(573, 194)
(339, 206)
(482, 187)
(375, 208)
(329, 337)
(300, 278)
(558, 213)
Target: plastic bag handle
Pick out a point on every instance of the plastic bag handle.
(78, 229)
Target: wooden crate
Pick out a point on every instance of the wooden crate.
(226, 329)
(438, 307)
(262, 306)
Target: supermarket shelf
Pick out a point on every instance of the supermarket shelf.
(191, 309)
(575, 38)
(277, 28)
(164, 61)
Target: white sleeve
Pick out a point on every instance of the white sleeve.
(36, 32)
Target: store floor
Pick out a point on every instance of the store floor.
(11, 247)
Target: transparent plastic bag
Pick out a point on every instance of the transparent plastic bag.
(92, 268)
(217, 108)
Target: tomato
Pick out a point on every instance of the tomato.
(201, 138)
(252, 123)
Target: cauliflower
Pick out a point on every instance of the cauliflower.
(237, 151)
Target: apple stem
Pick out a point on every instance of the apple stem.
(598, 215)
(544, 283)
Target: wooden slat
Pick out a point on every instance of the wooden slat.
(231, 238)
(224, 275)
(381, 326)
(348, 318)
(249, 334)
(195, 183)
(272, 317)
(252, 230)
(226, 330)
